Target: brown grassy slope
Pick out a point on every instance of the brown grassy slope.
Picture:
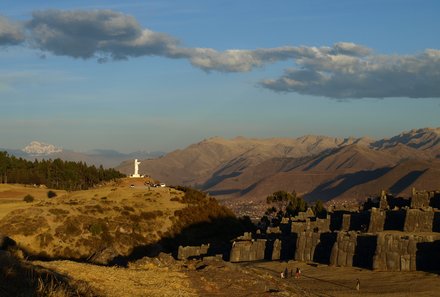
(98, 224)
(351, 172)
(121, 282)
(343, 185)
(311, 175)
(11, 197)
(400, 180)
(198, 162)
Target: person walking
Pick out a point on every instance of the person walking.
(298, 272)
(358, 285)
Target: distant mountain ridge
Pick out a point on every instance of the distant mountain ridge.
(318, 167)
(105, 157)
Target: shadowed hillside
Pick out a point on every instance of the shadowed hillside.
(318, 167)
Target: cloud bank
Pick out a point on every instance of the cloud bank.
(344, 70)
(343, 76)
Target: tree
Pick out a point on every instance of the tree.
(319, 209)
(285, 204)
(56, 173)
(280, 198)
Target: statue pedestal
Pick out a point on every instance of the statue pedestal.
(135, 176)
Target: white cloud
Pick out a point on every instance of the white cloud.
(373, 76)
(344, 70)
(95, 34)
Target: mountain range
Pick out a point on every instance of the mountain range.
(106, 158)
(317, 167)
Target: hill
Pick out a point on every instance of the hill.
(113, 222)
(318, 167)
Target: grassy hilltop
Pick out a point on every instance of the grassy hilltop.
(110, 221)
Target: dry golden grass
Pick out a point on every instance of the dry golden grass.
(120, 282)
(84, 223)
(21, 278)
(11, 197)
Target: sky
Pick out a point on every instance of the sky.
(160, 75)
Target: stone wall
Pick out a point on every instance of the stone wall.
(303, 215)
(306, 244)
(356, 221)
(276, 252)
(377, 220)
(418, 220)
(344, 249)
(396, 252)
(316, 225)
(420, 199)
(346, 218)
(400, 252)
(324, 247)
(249, 250)
(185, 252)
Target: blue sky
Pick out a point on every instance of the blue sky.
(160, 75)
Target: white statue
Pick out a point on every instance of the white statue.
(136, 169)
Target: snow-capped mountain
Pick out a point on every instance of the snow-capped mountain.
(105, 157)
(36, 148)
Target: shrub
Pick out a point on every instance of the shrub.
(96, 229)
(51, 194)
(28, 198)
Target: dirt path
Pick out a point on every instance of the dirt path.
(328, 281)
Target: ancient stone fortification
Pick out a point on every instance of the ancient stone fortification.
(396, 252)
(395, 235)
(185, 252)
